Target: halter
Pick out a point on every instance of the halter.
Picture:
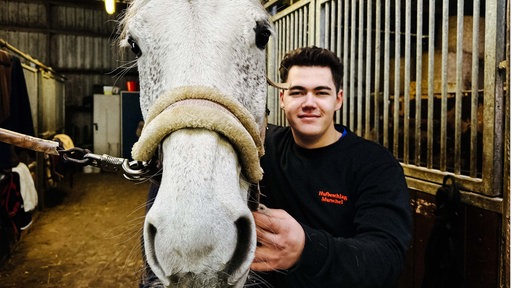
(207, 108)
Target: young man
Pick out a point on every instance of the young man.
(338, 206)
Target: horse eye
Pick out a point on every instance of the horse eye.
(135, 47)
(262, 35)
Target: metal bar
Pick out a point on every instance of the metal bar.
(285, 48)
(376, 94)
(396, 102)
(473, 146)
(332, 29)
(339, 47)
(505, 244)
(345, 66)
(271, 68)
(419, 68)
(288, 29)
(458, 93)
(352, 94)
(385, 99)
(430, 111)
(29, 142)
(407, 80)
(292, 29)
(490, 64)
(327, 39)
(360, 70)
(280, 49)
(494, 85)
(302, 28)
(368, 80)
(310, 9)
(298, 30)
(444, 81)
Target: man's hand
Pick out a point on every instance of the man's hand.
(280, 240)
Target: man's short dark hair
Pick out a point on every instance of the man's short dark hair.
(312, 56)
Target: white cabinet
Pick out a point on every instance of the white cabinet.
(107, 125)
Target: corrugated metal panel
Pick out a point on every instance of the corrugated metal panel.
(25, 14)
(83, 20)
(73, 40)
(34, 44)
(73, 52)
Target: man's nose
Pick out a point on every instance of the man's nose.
(309, 100)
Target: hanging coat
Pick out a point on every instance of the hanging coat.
(19, 117)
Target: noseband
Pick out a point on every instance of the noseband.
(206, 108)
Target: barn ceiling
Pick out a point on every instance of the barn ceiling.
(121, 4)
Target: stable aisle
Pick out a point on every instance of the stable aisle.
(90, 237)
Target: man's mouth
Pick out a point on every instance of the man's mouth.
(308, 116)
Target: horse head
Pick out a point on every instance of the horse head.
(202, 94)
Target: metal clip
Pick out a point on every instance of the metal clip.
(75, 155)
(132, 170)
(105, 162)
(138, 171)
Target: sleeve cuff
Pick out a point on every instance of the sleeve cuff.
(315, 252)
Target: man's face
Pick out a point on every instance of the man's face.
(310, 103)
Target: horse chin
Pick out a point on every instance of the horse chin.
(235, 271)
(233, 275)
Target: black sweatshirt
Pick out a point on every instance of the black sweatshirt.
(353, 203)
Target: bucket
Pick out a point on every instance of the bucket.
(131, 86)
(107, 90)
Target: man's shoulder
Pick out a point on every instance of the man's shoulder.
(365, 148)
(276, 131)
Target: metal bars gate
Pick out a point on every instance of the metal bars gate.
(420, 77)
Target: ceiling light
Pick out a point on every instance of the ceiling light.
(110, 6)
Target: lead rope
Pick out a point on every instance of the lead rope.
(132, 170)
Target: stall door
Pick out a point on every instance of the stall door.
(107, 125)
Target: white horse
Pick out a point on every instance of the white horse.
(202, 90)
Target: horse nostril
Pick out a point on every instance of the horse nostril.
(244, 234)
(151, 232)
(149, 242)
(149, 247)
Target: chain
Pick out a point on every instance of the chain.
(132, 170)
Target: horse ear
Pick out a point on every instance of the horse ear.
(282, 86)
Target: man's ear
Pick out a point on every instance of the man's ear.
(281, 96)
(339, 99)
